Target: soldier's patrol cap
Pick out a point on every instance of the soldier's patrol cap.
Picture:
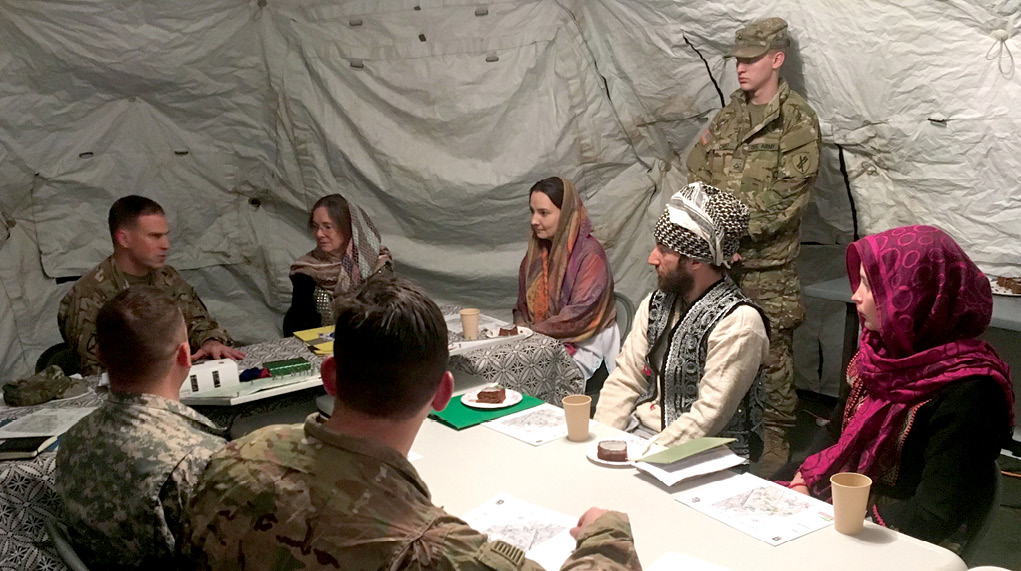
(757, 38)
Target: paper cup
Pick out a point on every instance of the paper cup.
(850, 499)
(470, 324)
(577, 409)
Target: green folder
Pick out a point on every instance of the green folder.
(690, 448)
(459, 416)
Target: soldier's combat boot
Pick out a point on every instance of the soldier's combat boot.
(776, 452)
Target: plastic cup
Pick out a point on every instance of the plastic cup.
(577, 409)
(850, 499)
(470, 324)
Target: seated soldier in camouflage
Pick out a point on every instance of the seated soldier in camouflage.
(138, 227)
(126, 471)
(340, 493)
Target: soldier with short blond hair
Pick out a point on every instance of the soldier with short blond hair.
(764, 147)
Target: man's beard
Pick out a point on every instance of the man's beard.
(677, 282)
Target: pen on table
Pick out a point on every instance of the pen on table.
(645, 449)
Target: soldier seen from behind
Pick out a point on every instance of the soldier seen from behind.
(340, 493)
(126, 471)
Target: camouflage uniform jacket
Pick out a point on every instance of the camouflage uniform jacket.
(125, 473)
(770, 167)
(294, 497)
(79, 308)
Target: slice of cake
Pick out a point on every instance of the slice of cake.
(495, 395)
(1013, 285)
(509, 331)
(612, 451)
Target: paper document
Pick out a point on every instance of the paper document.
(682, 562)
(535, 426)
(543, 534)
(216, 383)
(320, 339)
(689, 448)
(764, 510)
(317, 335)
(700, 464)
(46, 422)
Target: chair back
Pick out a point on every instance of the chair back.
(58, 535)
(625, 314)
(61, 355)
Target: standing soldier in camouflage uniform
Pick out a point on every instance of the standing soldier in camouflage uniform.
(764, 147)
(138, 227)
(126, 471)
(341, 493)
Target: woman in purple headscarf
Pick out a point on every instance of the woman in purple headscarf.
(930, 405)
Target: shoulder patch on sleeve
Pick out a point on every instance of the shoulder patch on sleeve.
(501, 556)
(706, 137)
(803, 163)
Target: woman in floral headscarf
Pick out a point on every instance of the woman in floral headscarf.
(930, 404)
(565, 289)
(348, 250)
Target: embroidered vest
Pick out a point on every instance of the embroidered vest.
(684, 361)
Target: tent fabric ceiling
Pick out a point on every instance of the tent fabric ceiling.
(437, 116)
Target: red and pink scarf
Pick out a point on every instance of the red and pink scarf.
(932, 302)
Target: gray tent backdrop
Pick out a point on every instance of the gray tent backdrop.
(436, 116)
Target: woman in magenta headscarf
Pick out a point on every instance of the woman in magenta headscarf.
(930, 404)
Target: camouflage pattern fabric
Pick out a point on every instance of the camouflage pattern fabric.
(305, 497)
(779, 293)
(46, 385)
(125, 473)
(757, 38)
(769, 165)
(76, 316)
(778, 380)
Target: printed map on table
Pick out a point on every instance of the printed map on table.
(543, 534)
(535, 426)
(45, 422)
(764, 510)
(763, 502)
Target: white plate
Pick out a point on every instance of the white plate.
(494, 333)
(470, 399)
(1000, 290)
(635, 449)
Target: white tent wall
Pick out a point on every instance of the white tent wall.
(437, 122)
(238, 116)
(100, 100)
